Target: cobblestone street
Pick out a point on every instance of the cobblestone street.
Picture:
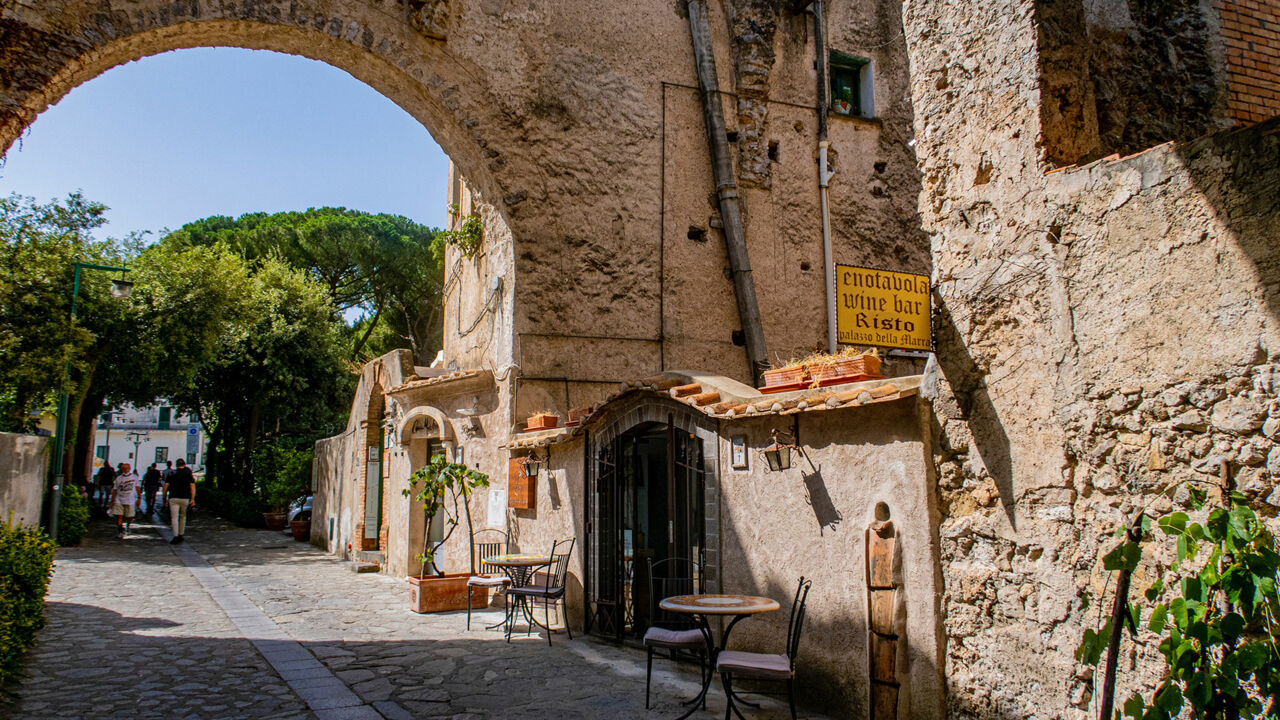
(241, 623)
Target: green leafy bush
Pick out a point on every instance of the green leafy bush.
(282, 472)
(26, 562)
(1214, 613)
(73, 518)
(245, 510)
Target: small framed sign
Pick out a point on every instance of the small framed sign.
(738, 452)
(520, 487)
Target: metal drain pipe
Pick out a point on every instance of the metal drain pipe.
(727, 190)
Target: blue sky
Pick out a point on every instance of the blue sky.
(220, 131)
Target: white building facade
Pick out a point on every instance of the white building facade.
(140, 436)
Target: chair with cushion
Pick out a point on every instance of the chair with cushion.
(676, 633)
(488, 543)
(547, 588)
(739, 665)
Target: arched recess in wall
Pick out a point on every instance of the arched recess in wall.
(47, 52)
(373, 490)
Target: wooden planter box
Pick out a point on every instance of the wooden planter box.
(854, 369)
(441, 593)
(783, 379)
(542, 422)
(275, 521)
(301, 530)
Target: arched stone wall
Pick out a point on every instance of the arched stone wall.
(49, 51)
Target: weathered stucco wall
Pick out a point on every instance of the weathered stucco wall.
(778, 526)
(23, 465)
(333, 504)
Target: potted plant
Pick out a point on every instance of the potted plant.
(846, 366)
(431, 486)
(542, 420)
(792, 376)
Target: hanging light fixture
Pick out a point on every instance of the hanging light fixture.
(778, 454)
(121, 288)
(532, 466)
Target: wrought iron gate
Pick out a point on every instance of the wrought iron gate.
(609, 574)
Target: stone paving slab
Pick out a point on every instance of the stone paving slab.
(430, 666)
(131, 634)
(249, 624)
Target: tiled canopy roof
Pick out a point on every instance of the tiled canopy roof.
(446, 384)
(727, 399)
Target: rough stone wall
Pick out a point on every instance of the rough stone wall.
(1250, 35)
(1119, 76)
(22, 472)
(1070, 307)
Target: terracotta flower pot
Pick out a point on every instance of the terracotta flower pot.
(861, 367)
(275, 520)
(301, 530)
(441, 593)
(542, 421)
(793, 378)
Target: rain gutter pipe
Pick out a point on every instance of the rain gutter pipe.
(727, 190)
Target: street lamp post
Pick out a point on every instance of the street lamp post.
(138, 437)
(120, 289)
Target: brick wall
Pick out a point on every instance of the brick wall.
(1251, 36)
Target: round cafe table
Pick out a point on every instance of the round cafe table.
(519, 567)
(704, 607)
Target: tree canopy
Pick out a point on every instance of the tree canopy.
(386, 268)
(239, 321)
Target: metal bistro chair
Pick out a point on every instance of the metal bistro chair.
(674, 632)
(762, 666)
(485, 575)
(549, 591)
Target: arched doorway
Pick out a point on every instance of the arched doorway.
(424, 433)
(650, 488)
(374, 476)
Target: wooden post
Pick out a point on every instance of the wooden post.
(885, 637)
(1119, 616)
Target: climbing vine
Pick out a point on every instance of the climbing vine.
(467, 237)
(1215, 612)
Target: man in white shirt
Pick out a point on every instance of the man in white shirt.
(125, 496)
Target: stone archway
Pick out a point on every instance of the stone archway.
(47, 52)
(559, 133)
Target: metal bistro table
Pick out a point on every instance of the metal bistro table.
(520, 568)
(706, 606)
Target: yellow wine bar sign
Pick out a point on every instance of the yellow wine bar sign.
(882, 308)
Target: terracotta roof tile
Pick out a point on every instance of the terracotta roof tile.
(728, 399)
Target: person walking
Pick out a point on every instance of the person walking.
(180, 496)
(105, 479)
(126, 495)
(150, 486)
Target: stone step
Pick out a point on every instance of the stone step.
(358, 566)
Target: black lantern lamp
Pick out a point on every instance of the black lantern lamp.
(532, 466)
(121, 289)
(779, 454)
